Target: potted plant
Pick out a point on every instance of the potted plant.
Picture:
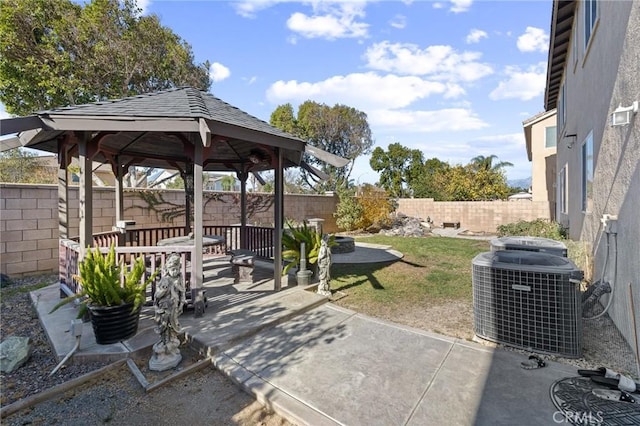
(112, 294)
(291, 242)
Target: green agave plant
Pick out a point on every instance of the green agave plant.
(101, 286)
(291, 242)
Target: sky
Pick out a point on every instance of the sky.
(454, 79)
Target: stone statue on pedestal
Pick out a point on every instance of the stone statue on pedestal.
(169, 301)
(324, 266)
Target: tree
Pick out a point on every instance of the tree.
(340, 130)
(20, 166)
(228, 183)
(404, 172)
(466, 183)
(395, 167)
(349, 211)
(426, 179)
(481, 162)
(56, 52)
(292, 182)
(176, 183)
(284, 119)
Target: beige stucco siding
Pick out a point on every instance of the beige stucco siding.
(543, 172)
(600, 81)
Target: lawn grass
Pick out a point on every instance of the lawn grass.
(433, 271)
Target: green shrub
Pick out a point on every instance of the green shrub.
(292, 240)
(349, 211)
(536, 228)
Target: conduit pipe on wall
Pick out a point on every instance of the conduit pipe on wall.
(610, 227)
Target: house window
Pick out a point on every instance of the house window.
(550, 137)
(562, 189)
(587, 173)
(590, 18)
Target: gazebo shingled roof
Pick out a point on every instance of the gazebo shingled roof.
(151, 128)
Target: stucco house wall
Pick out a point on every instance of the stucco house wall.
(543, 158)
(596, 82)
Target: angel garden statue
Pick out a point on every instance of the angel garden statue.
(169, 301)
(324, 266)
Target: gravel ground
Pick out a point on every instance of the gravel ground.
(202, 397)
(19, 318)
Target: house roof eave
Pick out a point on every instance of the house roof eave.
(562, 16)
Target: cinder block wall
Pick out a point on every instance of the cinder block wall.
(478, 216)
(29, 217)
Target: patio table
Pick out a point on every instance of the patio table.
(207, 241)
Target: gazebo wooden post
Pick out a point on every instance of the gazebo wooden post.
(85, 193)
(119, 172)
(63, 191)
(197, 276)
(63, 211)
(243, 209)
(277, 228)
(188, 195)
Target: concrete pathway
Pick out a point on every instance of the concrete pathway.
(318, 364)
(333, 366)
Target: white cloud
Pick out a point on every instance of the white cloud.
(438, 62)
(509, 141)
(399, 22)
(458, 6)
(330, 21)
(218, 72)
(144, 6)
(475, 36)
(249, 8)
(508, 147)
(365, 91)
(521, 84)
(251, 80)
(444, 120)
(385, 100)
(533, 40)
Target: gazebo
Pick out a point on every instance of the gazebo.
(184, 129)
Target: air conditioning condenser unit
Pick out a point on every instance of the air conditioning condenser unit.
(528, 300)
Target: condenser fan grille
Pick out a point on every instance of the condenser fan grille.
(522, 305)
(535, 244)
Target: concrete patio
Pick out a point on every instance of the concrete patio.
(315, 363)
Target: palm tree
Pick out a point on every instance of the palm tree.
(486, 163)
(228, 183)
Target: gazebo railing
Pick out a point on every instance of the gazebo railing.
(259, 238)
(135, 243)
(153, 256)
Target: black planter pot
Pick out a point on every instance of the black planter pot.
(112, 324)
